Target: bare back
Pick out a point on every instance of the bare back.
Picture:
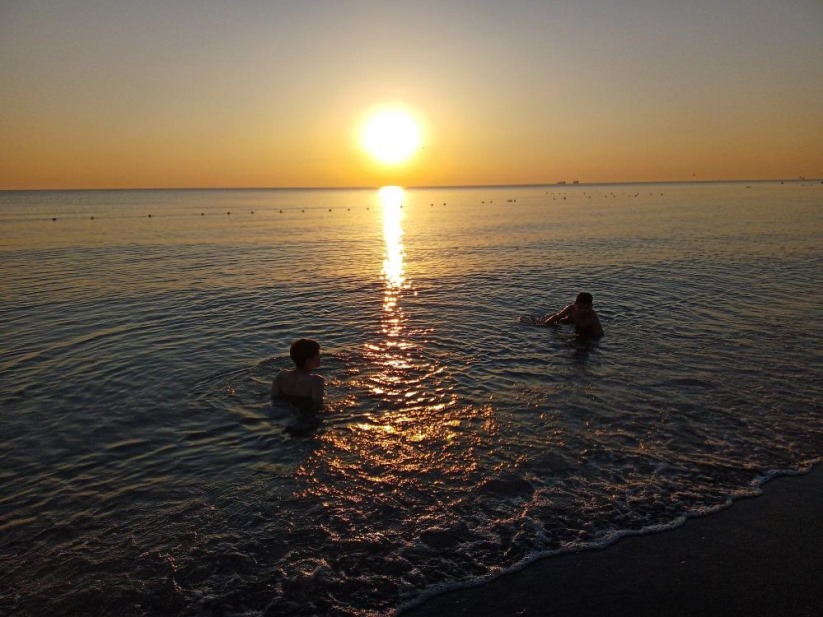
(586, 323)
(299, 384)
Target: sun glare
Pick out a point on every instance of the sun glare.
(391, 136)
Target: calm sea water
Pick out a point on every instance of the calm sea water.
(144, 470)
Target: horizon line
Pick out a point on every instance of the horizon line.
(560, 184)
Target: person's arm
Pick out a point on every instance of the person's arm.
(318, 384)
(554, 317)
(597, 329)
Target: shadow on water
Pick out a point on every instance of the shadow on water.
(583, 349)
(562, 337)
(305, 424)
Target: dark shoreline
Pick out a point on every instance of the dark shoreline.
(761, 556)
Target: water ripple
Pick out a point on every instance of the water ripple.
(146, 470)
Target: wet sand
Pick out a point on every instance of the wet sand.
(762, 556)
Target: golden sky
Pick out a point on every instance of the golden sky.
(201, 93)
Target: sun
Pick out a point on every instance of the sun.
(391, 136)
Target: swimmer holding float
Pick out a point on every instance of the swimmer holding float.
(581, 314)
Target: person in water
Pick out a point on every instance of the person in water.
(581, 314)
(299, 385)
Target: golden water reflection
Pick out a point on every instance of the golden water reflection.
(399, 366)
(392, 319)
(391, 201)
(406, 381)
(405, 430)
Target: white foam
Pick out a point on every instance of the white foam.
(754, 489)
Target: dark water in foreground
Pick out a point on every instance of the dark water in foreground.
(144, 471)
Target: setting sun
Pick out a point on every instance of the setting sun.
(391, 137)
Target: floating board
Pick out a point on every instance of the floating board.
(530, 320)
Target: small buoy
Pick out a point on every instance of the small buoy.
(329, 209)
(202, 214)
(54, 219)
(92, 218)
(252, 211)
(149, 215)
(228, 212)
(281, 212)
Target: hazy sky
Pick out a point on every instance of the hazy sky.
(201, 93)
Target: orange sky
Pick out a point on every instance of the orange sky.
(207, 94)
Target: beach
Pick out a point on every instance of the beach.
(761, 556)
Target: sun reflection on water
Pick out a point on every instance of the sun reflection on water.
(391, 200)
(404, 430)
(390, 352)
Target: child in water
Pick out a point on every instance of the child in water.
(581, 314)
(299, 385)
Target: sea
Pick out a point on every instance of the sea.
(145, 470)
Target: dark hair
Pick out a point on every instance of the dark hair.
(584, 297)
(303, 349)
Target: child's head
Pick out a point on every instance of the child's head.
(303, 349)
(584, 298)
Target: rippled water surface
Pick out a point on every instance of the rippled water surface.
(145, 471)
